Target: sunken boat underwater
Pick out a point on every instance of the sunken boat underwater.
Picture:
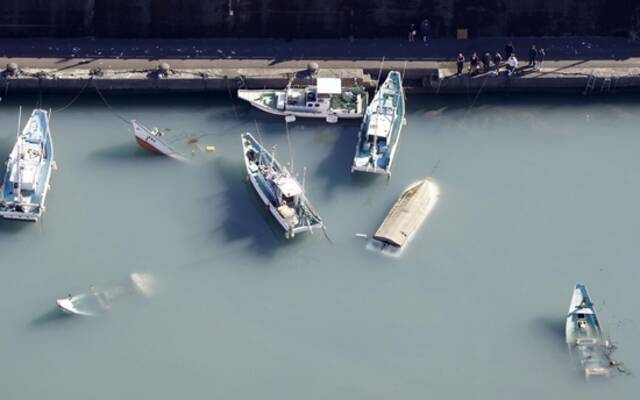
(98, 300)
(152, 140)
(584, 335)
(381, 127)
(327, 99)
(279, 190)
(406, 215)
(26, 181)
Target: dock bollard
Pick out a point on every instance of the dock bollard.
(312, 68)
(12, 69)
(164, 69)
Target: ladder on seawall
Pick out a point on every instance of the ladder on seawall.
(591, 83)
(606, 85)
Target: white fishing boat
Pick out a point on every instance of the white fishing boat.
(98, 300)
(381, 127)
(584, 335)
(327, 99)
(152, 140)
(279, 190)
(26, 181)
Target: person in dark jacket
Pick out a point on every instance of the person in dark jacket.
(497, 60)
(486, 61)
(425, 27)
(509, 50)
(540, 59)
(473, 64)
(533, 54)
(460, 63)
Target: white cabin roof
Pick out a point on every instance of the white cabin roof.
(288, 186)
(379, 125)
(329, 85)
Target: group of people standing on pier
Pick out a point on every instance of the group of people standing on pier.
(488, 62)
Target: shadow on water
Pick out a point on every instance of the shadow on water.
(53, 316)
(552, 329)
(246, 217)
(10, 226)
(334, 170)
(124, 152)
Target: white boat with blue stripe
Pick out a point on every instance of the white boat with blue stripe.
(381, 127)
(279, 190)
(26, 181)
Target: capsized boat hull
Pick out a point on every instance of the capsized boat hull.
(249, 144)
(408, 213)
(29, 205)
(152, 142)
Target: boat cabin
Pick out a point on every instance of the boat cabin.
(312, 99)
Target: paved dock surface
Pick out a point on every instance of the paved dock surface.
(567, 58)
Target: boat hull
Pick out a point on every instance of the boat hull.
(150, 142)
(18, 208)
(363, 160)
(290, 231)
(407, 214)
(248, 96)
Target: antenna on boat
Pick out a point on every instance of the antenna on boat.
(380, 73)
(19, 118)
(286, 124)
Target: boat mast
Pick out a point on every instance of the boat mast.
(18, 155)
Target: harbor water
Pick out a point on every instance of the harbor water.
(536, 194)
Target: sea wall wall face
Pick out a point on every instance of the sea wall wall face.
(315, 18)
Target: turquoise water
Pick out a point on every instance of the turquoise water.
(537, 194)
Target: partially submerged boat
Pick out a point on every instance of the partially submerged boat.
(584, 335)
(26, 181)
(407, 214)
(151, 140)
(278, 189)
(327, 99)
(381, 127)
(98, 300)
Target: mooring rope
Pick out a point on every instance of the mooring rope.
(87, 82)
(106, 103)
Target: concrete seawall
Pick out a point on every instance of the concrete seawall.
(417, 80)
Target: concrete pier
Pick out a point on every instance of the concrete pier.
(574, 65)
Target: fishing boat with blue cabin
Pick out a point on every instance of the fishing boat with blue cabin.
(26, 181)
(279, 190)
(381, 127)
(584, 335)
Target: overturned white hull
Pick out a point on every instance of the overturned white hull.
(407, 214)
